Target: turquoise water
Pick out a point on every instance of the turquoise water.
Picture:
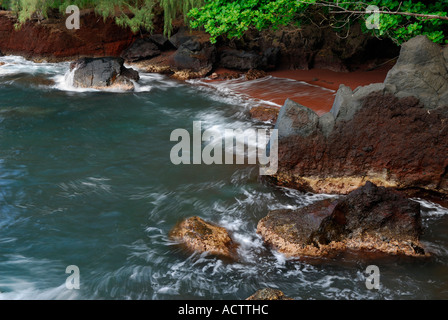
(86, 180)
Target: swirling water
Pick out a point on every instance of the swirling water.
(86, 180)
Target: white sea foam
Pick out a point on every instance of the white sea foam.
(431, 209)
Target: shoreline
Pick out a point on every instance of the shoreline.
(313, 88)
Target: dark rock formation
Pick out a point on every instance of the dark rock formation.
(198, 235)
(194, 57)
(141, 49)
(247, 60)
(377, 133)
(268, 294)
(369, 218)
(310, 47)
(239, 60)
(421, 71)
(289, 231)
(162, 42)
(180, 37)
(102, 73)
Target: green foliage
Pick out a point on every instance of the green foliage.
(135, 14)
(233, 18)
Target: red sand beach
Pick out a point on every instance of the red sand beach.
(313, 88)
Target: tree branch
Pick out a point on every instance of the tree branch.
(421, 15)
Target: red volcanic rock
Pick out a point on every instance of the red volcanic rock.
(269, 294)
(393, 133)
(390, 141)
(51, 40)
(264, 113)
(198, 235)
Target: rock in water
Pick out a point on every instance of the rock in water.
(370, 218)
(103, 73)
(268, 294)
(289, 231)
(264, 113)
(201, 236)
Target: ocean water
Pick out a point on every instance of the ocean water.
(86, 180)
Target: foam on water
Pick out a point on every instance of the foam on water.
(92, 186)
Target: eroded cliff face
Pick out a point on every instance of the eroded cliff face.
(50, 40)
(394, 134)
(390, 141)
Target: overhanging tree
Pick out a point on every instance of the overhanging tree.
(398, 20)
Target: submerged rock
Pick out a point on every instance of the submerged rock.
(268, 294)
(103, 73)
(201, 236)
(370, 218)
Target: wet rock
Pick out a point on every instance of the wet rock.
(141, 49)
(268, 294)
(193, 58)
(264, 113)
(102, 73)
(289, 231)
(1, 54)
(370, 218)
(129, 73)
(421, 72)
(2, 63)
(374, 212)
(198, 235)
(255, 74)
